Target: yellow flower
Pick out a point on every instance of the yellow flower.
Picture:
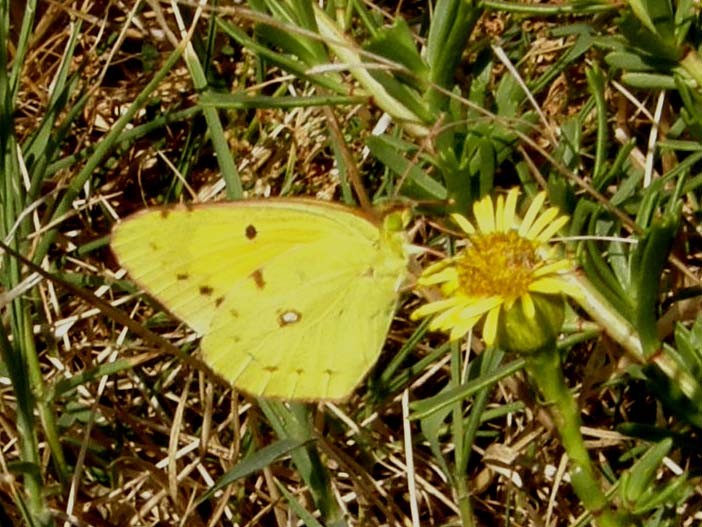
(508, 263)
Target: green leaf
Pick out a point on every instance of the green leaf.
(293, 421)
(451, 26)
(656, 39)
(689, 345)
(245, 101)
(405, 94)
(397, 44)
(443, 400)
(417, 184)
(638, 486)
(648, 261)
(253, 463)
(305, 516)
(657, 17)
(293, 14)
(649, 81)
(330, 80)
(629, 61)
(642, 475)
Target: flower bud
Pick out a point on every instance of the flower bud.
(519, 332)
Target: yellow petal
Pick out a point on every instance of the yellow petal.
(461, 329)
(554, 285)
(484, 215)
(463, 223)
(478, 307)
(528, 305)
(511, 208)
(490, 327)
(534, 208)
(541, 223)
(446, 320)
(552, 229)
(449, 288)
(548, 285)
(500, 215)
(444, 275)
(445, 262)
(433, 307)
(553, 267)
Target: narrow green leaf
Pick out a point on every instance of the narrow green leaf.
(416, 183)
(397, 44)
(648, 261)
(252, 464)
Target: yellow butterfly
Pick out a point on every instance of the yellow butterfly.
(293, 297)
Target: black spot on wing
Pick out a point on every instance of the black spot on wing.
(251, 232)
(206, 290)
(218, 301)
(182, 276)
(270, 369)
(257, 277)
(234, 313)
(165, 213)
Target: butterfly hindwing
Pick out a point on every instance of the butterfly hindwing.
(312, 336)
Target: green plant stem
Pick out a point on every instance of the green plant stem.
(621, 330)
(347, 52)
(458, 433)
(43, 404)
(509, 6)
(544, 367)
(464, 505)
(34, 510)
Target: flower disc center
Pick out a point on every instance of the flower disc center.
(497, 264)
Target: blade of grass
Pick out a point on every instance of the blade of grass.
(216, 130)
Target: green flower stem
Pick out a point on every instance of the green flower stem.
(544, 367)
